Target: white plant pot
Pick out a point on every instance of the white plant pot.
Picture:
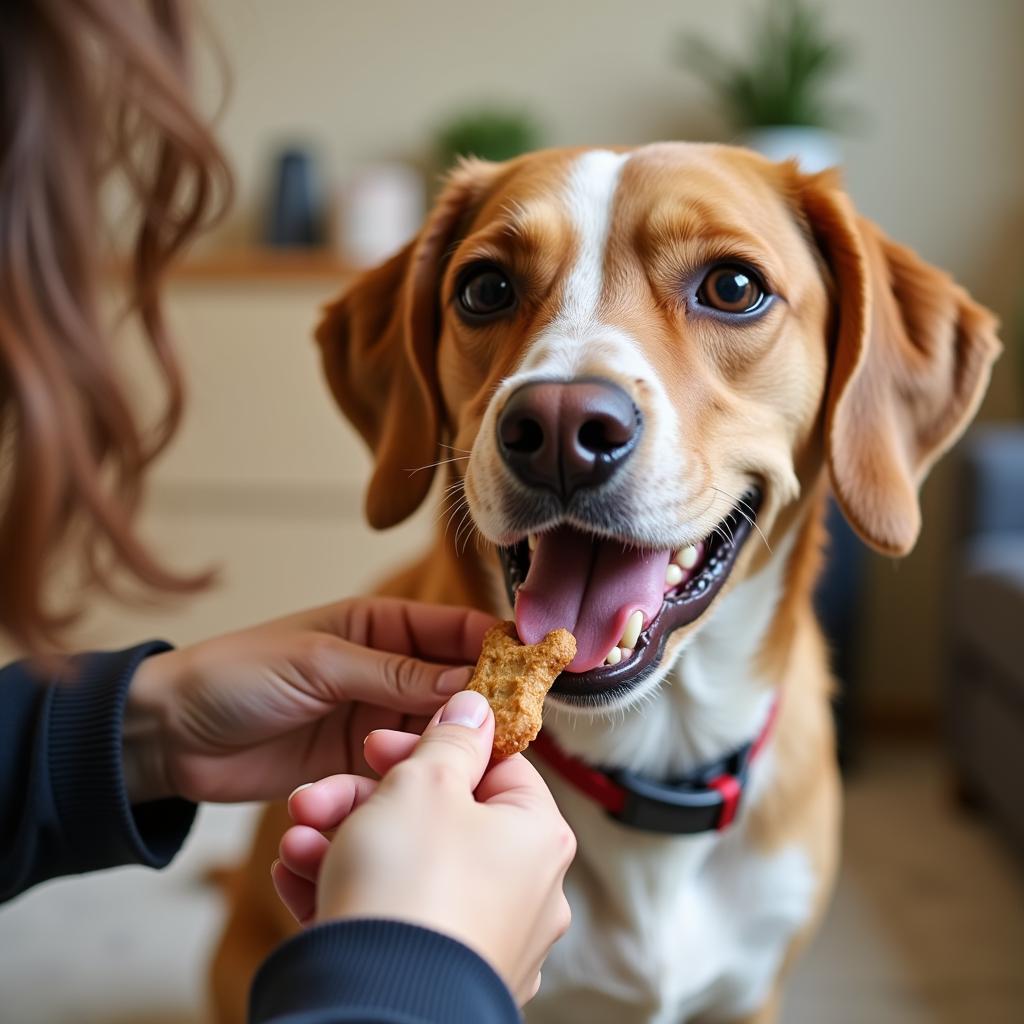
(380, 207)
(814, 148)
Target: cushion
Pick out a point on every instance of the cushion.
(990, 603)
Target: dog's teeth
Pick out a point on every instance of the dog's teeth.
(687, 557)
(531, 541)
(624, 652)
(631, 632)
(673, 575)
(614, 656)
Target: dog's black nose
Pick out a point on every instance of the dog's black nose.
(566, 435)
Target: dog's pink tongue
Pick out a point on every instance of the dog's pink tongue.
(590, 587)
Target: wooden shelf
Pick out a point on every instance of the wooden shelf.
(259, 264)
(264, 264)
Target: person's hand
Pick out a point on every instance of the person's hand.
(441, 841)
(251, 715)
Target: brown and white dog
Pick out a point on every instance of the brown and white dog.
(643, 370)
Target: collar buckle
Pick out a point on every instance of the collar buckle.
(706, 803)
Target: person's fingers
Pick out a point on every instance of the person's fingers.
(298, 895)
(552, 924)
(336, 671)
(384, 748)
(513, 780)
(302, 850)
(561, 916)
(535, 988)
(432, 632)
(325, 804)
(459, 739)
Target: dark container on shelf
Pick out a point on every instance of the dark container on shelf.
(296, 216)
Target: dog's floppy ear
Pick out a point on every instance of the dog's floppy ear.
(912, 357)
(378, 343)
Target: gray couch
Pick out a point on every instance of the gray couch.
(986, 694)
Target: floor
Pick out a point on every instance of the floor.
(927, 925)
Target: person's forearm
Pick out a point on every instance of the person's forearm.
(64, 807)
(378, 972)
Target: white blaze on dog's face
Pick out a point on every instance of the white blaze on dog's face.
(612, 266)
(649, 355)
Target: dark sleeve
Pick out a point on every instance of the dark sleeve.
(378, 972)
(63, 805)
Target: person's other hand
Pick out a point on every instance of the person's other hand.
(251, 715)
(442, 841)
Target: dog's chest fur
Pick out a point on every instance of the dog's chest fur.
(668, 928)
(665, 929)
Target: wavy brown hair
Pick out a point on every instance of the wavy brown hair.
(89, 90)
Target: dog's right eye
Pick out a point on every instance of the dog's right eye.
(484, 291)
(732, 288)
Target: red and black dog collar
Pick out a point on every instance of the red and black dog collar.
(705, 800)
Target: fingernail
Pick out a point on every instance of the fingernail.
(467, 708)
(451, 680)
(299, 789)
(273, 867)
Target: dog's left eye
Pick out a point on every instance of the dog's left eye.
(485, 291)
(732, 288)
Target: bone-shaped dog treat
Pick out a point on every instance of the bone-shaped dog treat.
(515, 679)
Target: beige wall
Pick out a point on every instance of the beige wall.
(263, 483)
(265, 479)
(937, 158)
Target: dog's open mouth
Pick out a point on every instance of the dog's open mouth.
(620, 602)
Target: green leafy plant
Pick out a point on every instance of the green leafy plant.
(490, 133)
(782, 81)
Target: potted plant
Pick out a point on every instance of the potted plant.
(776, 97)
(491, 133)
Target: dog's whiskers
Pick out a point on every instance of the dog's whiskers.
(458, 533)
(451, 509)
(721, 528)
(452, 490)
(470, 532)
(742, 506)
(725, 530)
(451, 520)
(448, 524)
(434, 465)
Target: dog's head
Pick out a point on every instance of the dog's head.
(646, 356)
